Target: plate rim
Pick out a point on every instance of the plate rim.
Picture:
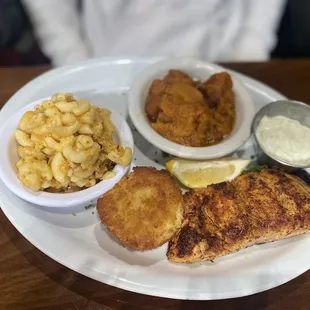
(104, 278)
(159, 292)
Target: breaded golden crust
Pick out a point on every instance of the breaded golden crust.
(255, 208)
(189, 112)
(178, 77)
(144, 210)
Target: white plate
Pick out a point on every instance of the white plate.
(81, 243)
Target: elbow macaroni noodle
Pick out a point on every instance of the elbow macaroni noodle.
(66, 145)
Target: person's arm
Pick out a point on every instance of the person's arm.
(57, 26)
(258, 35)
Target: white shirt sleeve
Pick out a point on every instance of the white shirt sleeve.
(57, 26)
(258, 34)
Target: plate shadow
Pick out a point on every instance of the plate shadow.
(112, 245)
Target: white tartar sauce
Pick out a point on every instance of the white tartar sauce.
(285, 139)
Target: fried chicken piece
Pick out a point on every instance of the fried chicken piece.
(161, 94)
(188, 127)
(178, 77)
(157, 93)
(144, 210)
(219, 96)
(181, 115)
(160, 88)
(217, 89)
(178, 110)
(255, 208)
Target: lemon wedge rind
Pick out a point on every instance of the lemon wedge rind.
(197, 174)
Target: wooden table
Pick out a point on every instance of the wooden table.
(31, 280)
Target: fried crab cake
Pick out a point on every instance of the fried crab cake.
(144, 210)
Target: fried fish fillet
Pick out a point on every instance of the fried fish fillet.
(255, 208)
(144, 210)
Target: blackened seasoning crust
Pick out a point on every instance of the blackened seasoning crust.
(255, 208)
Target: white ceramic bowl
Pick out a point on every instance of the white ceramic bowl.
(9, 157)
(245, 109)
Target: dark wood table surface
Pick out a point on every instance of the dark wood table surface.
(31, 280)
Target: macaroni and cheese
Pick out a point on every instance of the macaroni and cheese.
(66, 145)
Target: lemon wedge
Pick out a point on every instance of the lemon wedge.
(195, 174)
